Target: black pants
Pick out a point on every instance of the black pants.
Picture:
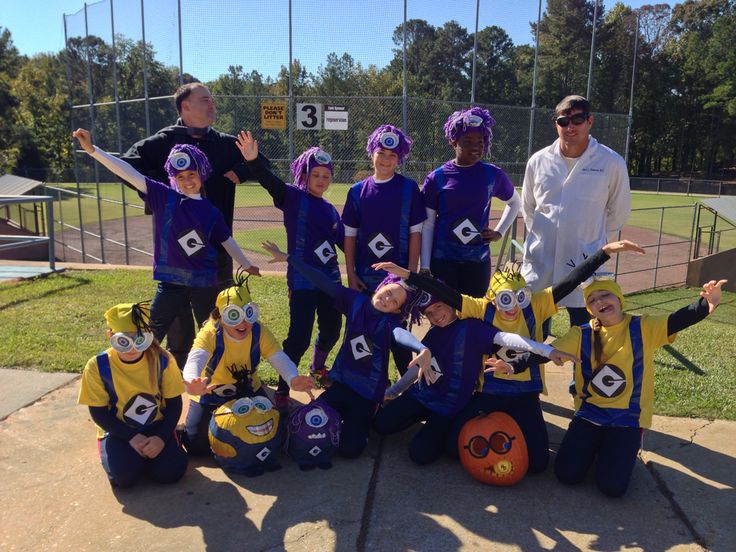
(356, 412)
(525, 409)
(172, 301)
(613, 449)
(465, 277)
(304, 304)
(428, 443)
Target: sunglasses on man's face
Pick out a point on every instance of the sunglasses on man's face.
(577, 119)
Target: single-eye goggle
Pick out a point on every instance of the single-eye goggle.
(508, 300)
(233, 315)
(389, 140)
(322, 157)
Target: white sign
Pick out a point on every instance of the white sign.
(308, 116)
(336, 117)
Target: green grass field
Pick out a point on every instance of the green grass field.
(56, 324)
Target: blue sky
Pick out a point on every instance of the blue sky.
(254, 33)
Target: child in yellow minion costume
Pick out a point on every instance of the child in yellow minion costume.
(614, 382)
(133, 391)
(223, 362)
(510, 306)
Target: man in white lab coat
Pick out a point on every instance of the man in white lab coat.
(575, 193)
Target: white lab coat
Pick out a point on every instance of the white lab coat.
(569, 216)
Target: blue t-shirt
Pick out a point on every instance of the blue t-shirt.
(362, 361)
(186, 232)
(313, 231)
(461, 196)
(383, 214)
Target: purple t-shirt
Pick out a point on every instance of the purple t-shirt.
(383, 214)
(461, 196)
(186, 231)
(362, 361)
(313, 229)
(457, 354)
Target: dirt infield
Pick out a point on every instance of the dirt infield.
(636, 272)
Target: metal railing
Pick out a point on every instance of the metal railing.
(15, 242)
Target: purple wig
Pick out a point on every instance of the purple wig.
(303, 165)
(415, 297)
(390, 138)
(466, 120)
(185, 157)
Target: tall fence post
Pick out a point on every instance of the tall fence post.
(145, 69)
(631, 94)
(181, 54)
(475, 52)
(592, 50)
(404, 91)
(291, 93)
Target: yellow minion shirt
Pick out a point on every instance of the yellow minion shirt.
(541, 308)
(140, 400)
(619, 392)
(234, 366)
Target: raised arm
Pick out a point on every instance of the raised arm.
(588, 267)
(233, 249)
(438, 289)
(693, 313)
(117, 166)
(248, 146)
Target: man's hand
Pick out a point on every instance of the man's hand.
(232, 177)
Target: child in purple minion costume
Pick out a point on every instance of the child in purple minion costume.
(359, 375)
(457, 195)
(314, 230)
(383, 217)
(187, 228)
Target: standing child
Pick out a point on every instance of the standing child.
(313, 232)
(383, 217)
(186, 229)
(458, 197)
(223, 362)
(359, 375)
(614, 382)
(133, 391)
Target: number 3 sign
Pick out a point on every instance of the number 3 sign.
(308, 116)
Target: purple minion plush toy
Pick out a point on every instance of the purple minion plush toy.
(313, 435)
(185, 161)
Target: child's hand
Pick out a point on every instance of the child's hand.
(424, 361)
(560, 357)
(153, 446)
(712, 293)
(278, 255)
(356, 283)
(490, 235)
(304, 384)
(494, 364)
(621, 246)
(85, 139)
(392, 268)
(198, 386)
(247, 145)
(254, 270)
(137, 442)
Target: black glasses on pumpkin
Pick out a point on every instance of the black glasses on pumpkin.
(577, 119)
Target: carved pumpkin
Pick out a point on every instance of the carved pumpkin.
(493, 450)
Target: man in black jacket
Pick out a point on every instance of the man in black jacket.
(197, 112)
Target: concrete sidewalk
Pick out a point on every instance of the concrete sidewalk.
(56, 496)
